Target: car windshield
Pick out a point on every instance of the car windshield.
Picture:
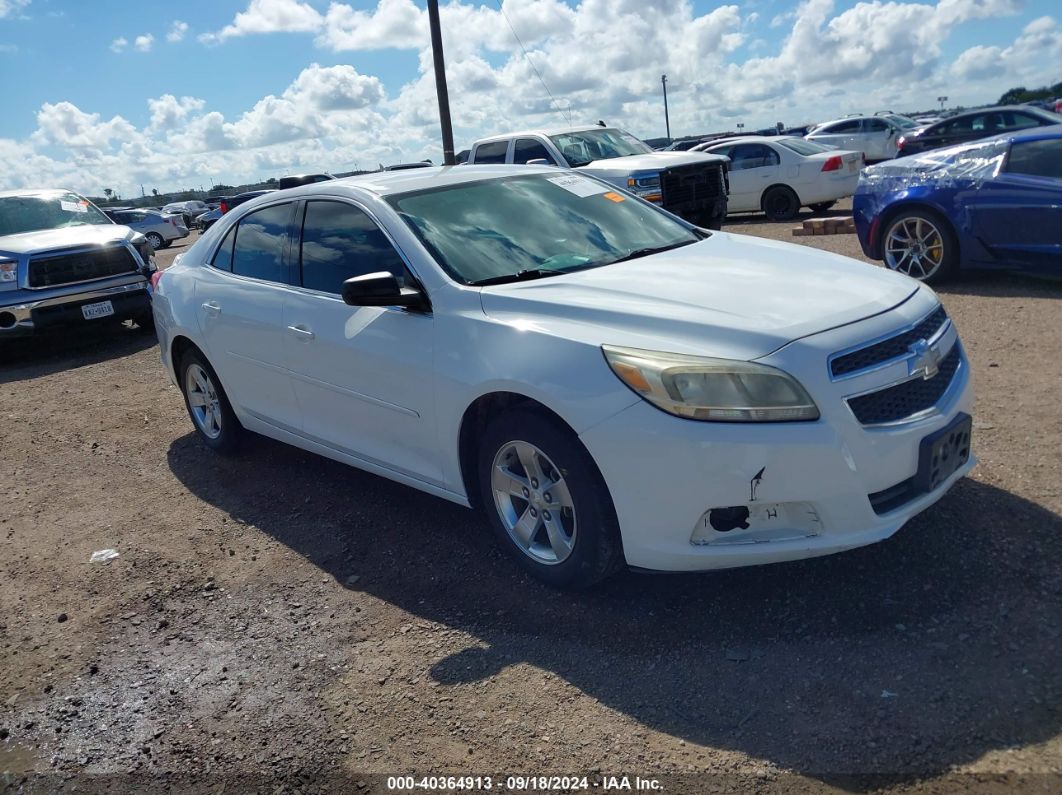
(34, 212)
(530, 226)
(802, 147)
(580, 148)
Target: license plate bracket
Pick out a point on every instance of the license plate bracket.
(98, 309)
(942, 453)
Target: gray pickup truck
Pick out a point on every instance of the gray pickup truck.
(64, 263)
(692, 185)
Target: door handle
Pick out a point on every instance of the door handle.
(302, 332)
(212, 308)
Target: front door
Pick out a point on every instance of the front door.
(362, 375)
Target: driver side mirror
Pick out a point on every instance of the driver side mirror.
(383, 289)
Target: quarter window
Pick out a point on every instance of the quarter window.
(339, 242)
(260, 241)
(1038, 158)
(223, 256)
(492, 153)
(529, 149)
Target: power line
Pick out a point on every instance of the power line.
(531, 63)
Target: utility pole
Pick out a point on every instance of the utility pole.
(667, 120)
(440, 84)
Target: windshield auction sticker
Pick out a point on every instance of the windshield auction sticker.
(580, 186)
(73, 207)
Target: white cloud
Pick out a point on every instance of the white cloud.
(601, 58)
(119, 44)
(9, 7)
(143, 43)
(269, 16)
(177, 31)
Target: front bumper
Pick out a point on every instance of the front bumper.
(22, 317)
(807, 485)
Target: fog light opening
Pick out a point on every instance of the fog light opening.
(7, 320)
(723, 520)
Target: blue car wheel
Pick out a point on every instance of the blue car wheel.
(920, 245)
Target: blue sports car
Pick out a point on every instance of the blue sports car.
(996, 202)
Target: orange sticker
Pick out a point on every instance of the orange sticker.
(613, 197)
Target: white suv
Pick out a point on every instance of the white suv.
(874, 136)
(611, 384)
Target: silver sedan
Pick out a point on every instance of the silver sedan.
(160, 230)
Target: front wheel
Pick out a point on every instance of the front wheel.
(780, 203)
(920, 245)
(547, 501)
(208, 405)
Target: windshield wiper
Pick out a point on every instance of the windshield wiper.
(645, 252)
(519, 276)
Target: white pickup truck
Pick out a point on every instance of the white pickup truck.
(692, 185)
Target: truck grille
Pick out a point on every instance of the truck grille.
(886, 350)
(695, 187)
(899, 402)
(81, 266)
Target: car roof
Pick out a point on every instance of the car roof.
(543, 131)
(42, 192)
(386, 183)
(746, 139)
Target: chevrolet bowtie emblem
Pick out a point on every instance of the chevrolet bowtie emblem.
(925, 360)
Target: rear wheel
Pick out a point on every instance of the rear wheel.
(921, 245)
(547, 502)
(821, 207)
(780, 203)
(208, 405)
(155, 239)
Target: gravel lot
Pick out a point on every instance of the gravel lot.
(280, 622)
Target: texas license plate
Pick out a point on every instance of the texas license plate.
(99, 309)
(943, 452)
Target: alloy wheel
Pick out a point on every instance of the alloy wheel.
(533, 502)
(203, 401)
(914, 246)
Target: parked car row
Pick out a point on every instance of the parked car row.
(161, 230)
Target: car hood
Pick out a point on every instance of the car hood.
(65, 237)
(651, 160)
(730, 296)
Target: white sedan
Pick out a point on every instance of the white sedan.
(779, 175)
(610, 384)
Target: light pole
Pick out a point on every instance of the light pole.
(440, 84)
(741, 125)
(942, 100)
(667, 120)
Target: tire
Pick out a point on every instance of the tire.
(155, 239)
(780, 203)
(821, 207)
(166, 244)
(920, 244)
(525, 450)
(224, 433)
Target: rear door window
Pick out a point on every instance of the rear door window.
(493, 152)
(746, 156)
(261, 240)
(223, 256)
(340, 241)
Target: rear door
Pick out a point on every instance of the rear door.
(1018, 215)
(753, 168)
(363, 375)
(240, 307)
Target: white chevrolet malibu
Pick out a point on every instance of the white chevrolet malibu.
(611, 384)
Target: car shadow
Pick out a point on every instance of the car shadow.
(986, 282)
(806, 213)
(904, 658)
(66, 349)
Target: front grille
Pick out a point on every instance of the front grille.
(685, 187)
(82, 266)
(907, 399)
(891, 348)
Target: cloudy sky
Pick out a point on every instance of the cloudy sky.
(111, 93)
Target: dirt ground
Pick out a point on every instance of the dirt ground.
(282, 623)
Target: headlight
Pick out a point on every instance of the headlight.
(646, 186)
(720, 390)
(8, 274)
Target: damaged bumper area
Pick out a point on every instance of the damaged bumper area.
(694, 496)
